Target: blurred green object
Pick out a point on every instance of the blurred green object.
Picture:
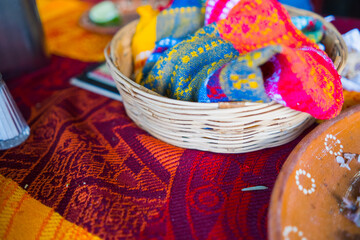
(105, 14)
(311, 27)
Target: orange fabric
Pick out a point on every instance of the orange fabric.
(254, 24)
(351, 99)
(63, 34)
(23, 217)
(117, 182)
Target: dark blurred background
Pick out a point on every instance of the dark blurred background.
(348, 8)
(344, 8)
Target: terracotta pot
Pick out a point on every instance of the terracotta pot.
(315, 195)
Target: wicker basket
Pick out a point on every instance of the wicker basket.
(225, 127)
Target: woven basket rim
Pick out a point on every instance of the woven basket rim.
(224, 127)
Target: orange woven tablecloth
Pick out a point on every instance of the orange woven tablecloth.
(20, 214)
(64, 36)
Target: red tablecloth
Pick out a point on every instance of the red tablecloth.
(90, 163)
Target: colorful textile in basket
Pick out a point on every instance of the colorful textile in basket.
(315, 85)
(156, 32)
(178, 72)
(239, 80)
(304, 79)
(205, 66)
(254, 24)
(220, 9)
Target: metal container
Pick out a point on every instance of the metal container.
(13, 127)
(22, 44)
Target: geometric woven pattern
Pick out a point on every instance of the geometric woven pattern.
(90, 163)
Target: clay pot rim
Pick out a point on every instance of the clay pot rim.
(274, 213)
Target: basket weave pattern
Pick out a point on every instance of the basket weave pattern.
(228, 127)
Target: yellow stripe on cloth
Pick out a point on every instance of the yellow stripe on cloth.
(23, 217)
(64, 36)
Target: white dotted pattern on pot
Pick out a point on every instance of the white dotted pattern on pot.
(333, 145)
(306, 191)
(294, 230)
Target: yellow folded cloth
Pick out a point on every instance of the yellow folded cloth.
(23, 217)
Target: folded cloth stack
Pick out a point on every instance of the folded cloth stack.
(231, 50)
